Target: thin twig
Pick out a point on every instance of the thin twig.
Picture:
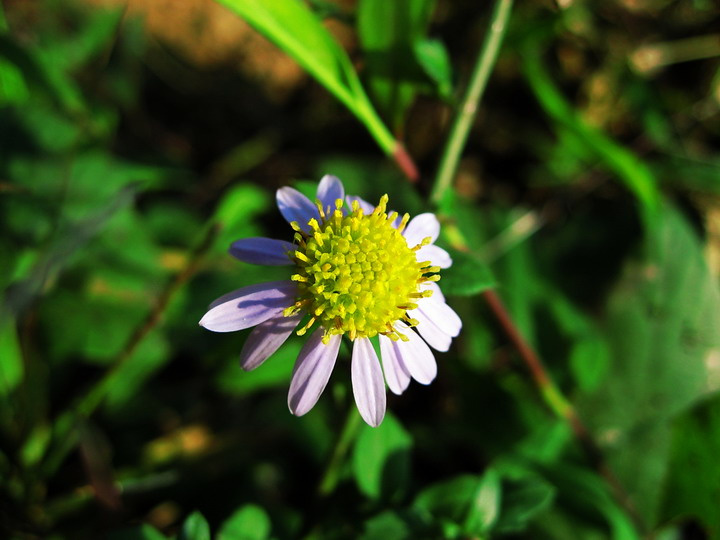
(469, 106)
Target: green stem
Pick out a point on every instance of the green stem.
(468, 108)
(331, 477)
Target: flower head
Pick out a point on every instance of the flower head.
(359, 271)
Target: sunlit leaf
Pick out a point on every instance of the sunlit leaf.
(250, 522)
(195, 527)
(381, 459)
(296, 30)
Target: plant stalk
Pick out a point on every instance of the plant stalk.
(469, 106)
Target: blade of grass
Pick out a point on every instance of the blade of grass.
(634, 173)
(298, 32)
(469, 106)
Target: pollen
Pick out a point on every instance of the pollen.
(355, 272)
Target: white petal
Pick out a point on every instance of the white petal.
(262, 251)
(249, 306)
(367, 381)
(436, 255)
(431, 285)
(442, 315)
(415, 355)
(420, 227)
(312, 371)
(435, 337)
(396, 374)
(329, 190)
(294, 206)
(266, 338)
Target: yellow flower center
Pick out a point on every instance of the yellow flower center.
(356, 272)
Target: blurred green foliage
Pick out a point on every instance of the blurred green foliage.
(587, 199)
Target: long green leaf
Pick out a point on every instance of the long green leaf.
(298, 32)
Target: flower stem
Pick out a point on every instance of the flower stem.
(468, 108)
(332, 473)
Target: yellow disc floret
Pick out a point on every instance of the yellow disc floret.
(356, 273)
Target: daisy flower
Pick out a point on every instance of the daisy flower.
(357, 271)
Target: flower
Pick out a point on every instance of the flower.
(358, 272)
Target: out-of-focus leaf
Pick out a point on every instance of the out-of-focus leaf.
(298, 32)
(35, 445)
(662, 326)
(95, 35)
(13, 89)
(630, 170)
(250, 522)
(433, 57)
(141, 532)
(662, 331)
(589, 361)
(523, 499)
(588, 493)
(11, 361)
(471, 503)
(381, 459)
(693, 483)
(388, 32)
(149, 356)
(386, 526)
(195, 527)
(467, 276)
(235, 212)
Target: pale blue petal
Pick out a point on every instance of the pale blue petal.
(329, 190)
(294, 206)
(265, 251)
(312, 371)
(266, 338)
(249, 306)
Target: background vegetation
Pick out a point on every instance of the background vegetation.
(139, 138)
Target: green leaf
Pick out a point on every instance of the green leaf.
(298, 32)
(469, 502)
(235, 211)
(590, 495)
(250, 522)
(389, 32)
(381, 459)
(434, 59)
(11, 362)
(141, 532)
(589, 362)
(13, 89)
(630, 170)
(662, 333)
(523, 499)
(386, 526)
(149, 356)
(195, 527)
(694, 479)
(467, 276)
